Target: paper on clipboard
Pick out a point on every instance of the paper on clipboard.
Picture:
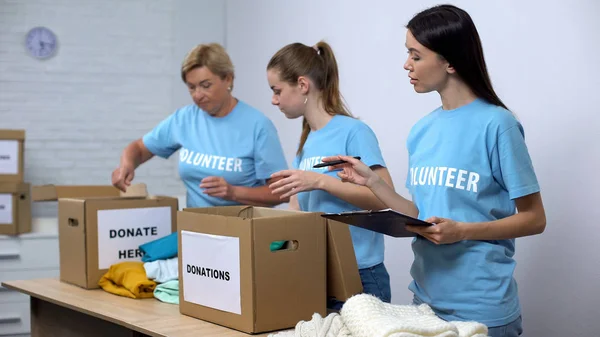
(386, 221)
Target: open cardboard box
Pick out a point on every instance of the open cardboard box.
(272, 290)
(230, 276)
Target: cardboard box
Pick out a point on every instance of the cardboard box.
(12, 155)
(229, 275)
(54, 192)
(343, 279)
(95, 233)
(15, 208)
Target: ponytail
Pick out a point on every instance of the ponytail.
(319, 64)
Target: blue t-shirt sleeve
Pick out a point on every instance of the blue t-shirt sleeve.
(268, 153)
(162, 140)
(511, 164)
(363, 142)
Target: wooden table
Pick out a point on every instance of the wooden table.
(60, 309)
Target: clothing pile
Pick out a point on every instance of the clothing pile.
(367, 316)
(127, 279)
(156, 276)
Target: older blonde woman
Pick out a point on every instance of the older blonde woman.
(227, 149)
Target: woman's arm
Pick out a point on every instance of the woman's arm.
(255, 196)
(359, 174)
(530, 220)
(291, 182)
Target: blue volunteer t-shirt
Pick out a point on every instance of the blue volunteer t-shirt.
(242, 147)
(342, 136)
(468, 165)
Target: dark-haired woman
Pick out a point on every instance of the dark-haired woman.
(305, 84)
(470, 172)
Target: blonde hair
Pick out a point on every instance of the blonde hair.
(212, 56)
(317, 63)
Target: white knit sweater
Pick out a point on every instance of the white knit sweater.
(330, 326)
(367, 316)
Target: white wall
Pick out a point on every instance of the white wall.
(542, 58)
(115, 76)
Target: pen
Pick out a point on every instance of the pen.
(331, 163)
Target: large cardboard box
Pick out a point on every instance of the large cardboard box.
(343, 279)
(15, 208)
(12, 155)
(51, 192)
(95, 233)
(230, 276)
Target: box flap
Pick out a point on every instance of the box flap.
(72, 242)
(248, 212)
(233, 211)
(55, 192)
(135, 190)
(265, 212)
(12, 134)
(343, 279)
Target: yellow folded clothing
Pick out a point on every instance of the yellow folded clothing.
(128, 279)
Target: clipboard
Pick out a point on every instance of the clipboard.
(386, 221)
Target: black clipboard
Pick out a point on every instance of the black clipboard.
(386, 221)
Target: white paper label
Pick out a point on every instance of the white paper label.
(9, 157)
(6, 209)
(122, 231)
(211, 271)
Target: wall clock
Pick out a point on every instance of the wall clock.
(41, 43)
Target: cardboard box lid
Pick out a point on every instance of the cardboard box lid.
(12, 134)
(55, 192)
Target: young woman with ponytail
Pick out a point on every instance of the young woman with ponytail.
(305, 83)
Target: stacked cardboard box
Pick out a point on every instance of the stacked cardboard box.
(91, 217)
(15, 202)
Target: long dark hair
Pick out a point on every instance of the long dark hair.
(450, 32)
(317, 63)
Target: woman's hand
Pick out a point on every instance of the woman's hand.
(218, 187)
(122, 176)
(292, 182)
(353, 171)
(443, 231)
